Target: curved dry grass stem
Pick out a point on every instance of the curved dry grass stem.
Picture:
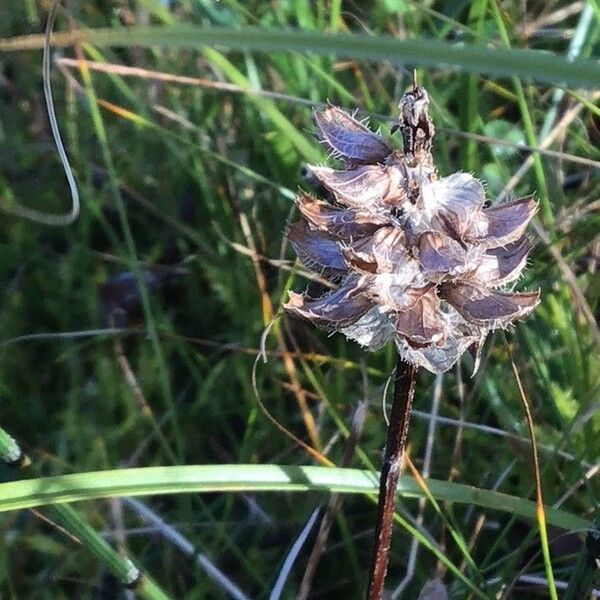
(539, 500)
(308, 449)
(268, 315)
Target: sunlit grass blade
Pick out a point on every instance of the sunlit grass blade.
(298, 141)
(256, 478)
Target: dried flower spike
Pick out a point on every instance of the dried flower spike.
(415, 257)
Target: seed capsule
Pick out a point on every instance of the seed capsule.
(416, 258)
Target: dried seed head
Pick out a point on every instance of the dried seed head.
(415, 258)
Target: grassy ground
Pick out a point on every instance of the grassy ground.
(190, 188)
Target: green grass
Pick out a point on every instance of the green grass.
(166, 168)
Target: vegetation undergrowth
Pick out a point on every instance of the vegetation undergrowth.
(187, 167)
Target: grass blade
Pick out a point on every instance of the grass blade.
(120, 566)
(545, 67)
(150, 481)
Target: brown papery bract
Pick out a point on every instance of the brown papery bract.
(416, 257)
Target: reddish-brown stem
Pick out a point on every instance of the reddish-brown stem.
(404, 390)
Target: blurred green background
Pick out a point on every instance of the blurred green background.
(190, 185)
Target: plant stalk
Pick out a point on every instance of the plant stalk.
(404, 391)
